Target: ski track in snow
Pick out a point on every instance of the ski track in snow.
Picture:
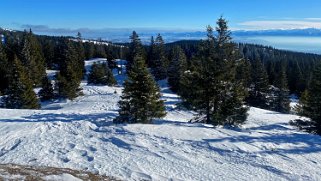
(80, 134)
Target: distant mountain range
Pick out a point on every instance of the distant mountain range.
(300, 40)
(196, 35)
(122, 35)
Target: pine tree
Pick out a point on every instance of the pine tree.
(67, 84)
(210, 85)
(101, 74)
(81, 56)
(259, 89)
(296, 78)
(243, 72)
(48, 49)
(280, 99)
(33, 58)
(300, 107)
(140, 101)
(110, 79)
(176, 68)
(150, 55)
(100, 51)
(89, 50)
(47, 92)
(68, 79)
(312, 108)
(20, 94)
(3, 70)
(159, 63)
(79, 37)
(135, 49)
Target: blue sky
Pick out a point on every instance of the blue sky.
(158, 14)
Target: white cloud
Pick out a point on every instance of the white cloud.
(281, 24)
(313, 19)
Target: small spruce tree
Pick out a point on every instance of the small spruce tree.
(101, 74)
(67, 84)
(303, 101)
(47, 92)
(140, 101)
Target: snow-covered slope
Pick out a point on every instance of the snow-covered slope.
(80, 134)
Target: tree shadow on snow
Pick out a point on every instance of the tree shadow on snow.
(101, 119)
(180, 123)
(300, 143)
(269, 127)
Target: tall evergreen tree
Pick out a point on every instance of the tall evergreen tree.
(20, 94)
(210, 86)
(159, 63)
(32, 58)
(259, 89)
(68, 79)
(280, 99)
(312, 108)
(3, 70)
(48, 49)
(176, 68)
(81, 56)
(140, 101)
(135, 49)
(150, 55)
(296, 78)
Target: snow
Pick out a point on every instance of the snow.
(61, 177)
(80, 135)
(294, 101)
(51, 74)
(89, 63)
(94, 42)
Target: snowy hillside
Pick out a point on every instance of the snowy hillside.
(80, 135)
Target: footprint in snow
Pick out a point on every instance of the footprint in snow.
(71, 145)
(93, 149)
(65, 160)
(90, 158)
